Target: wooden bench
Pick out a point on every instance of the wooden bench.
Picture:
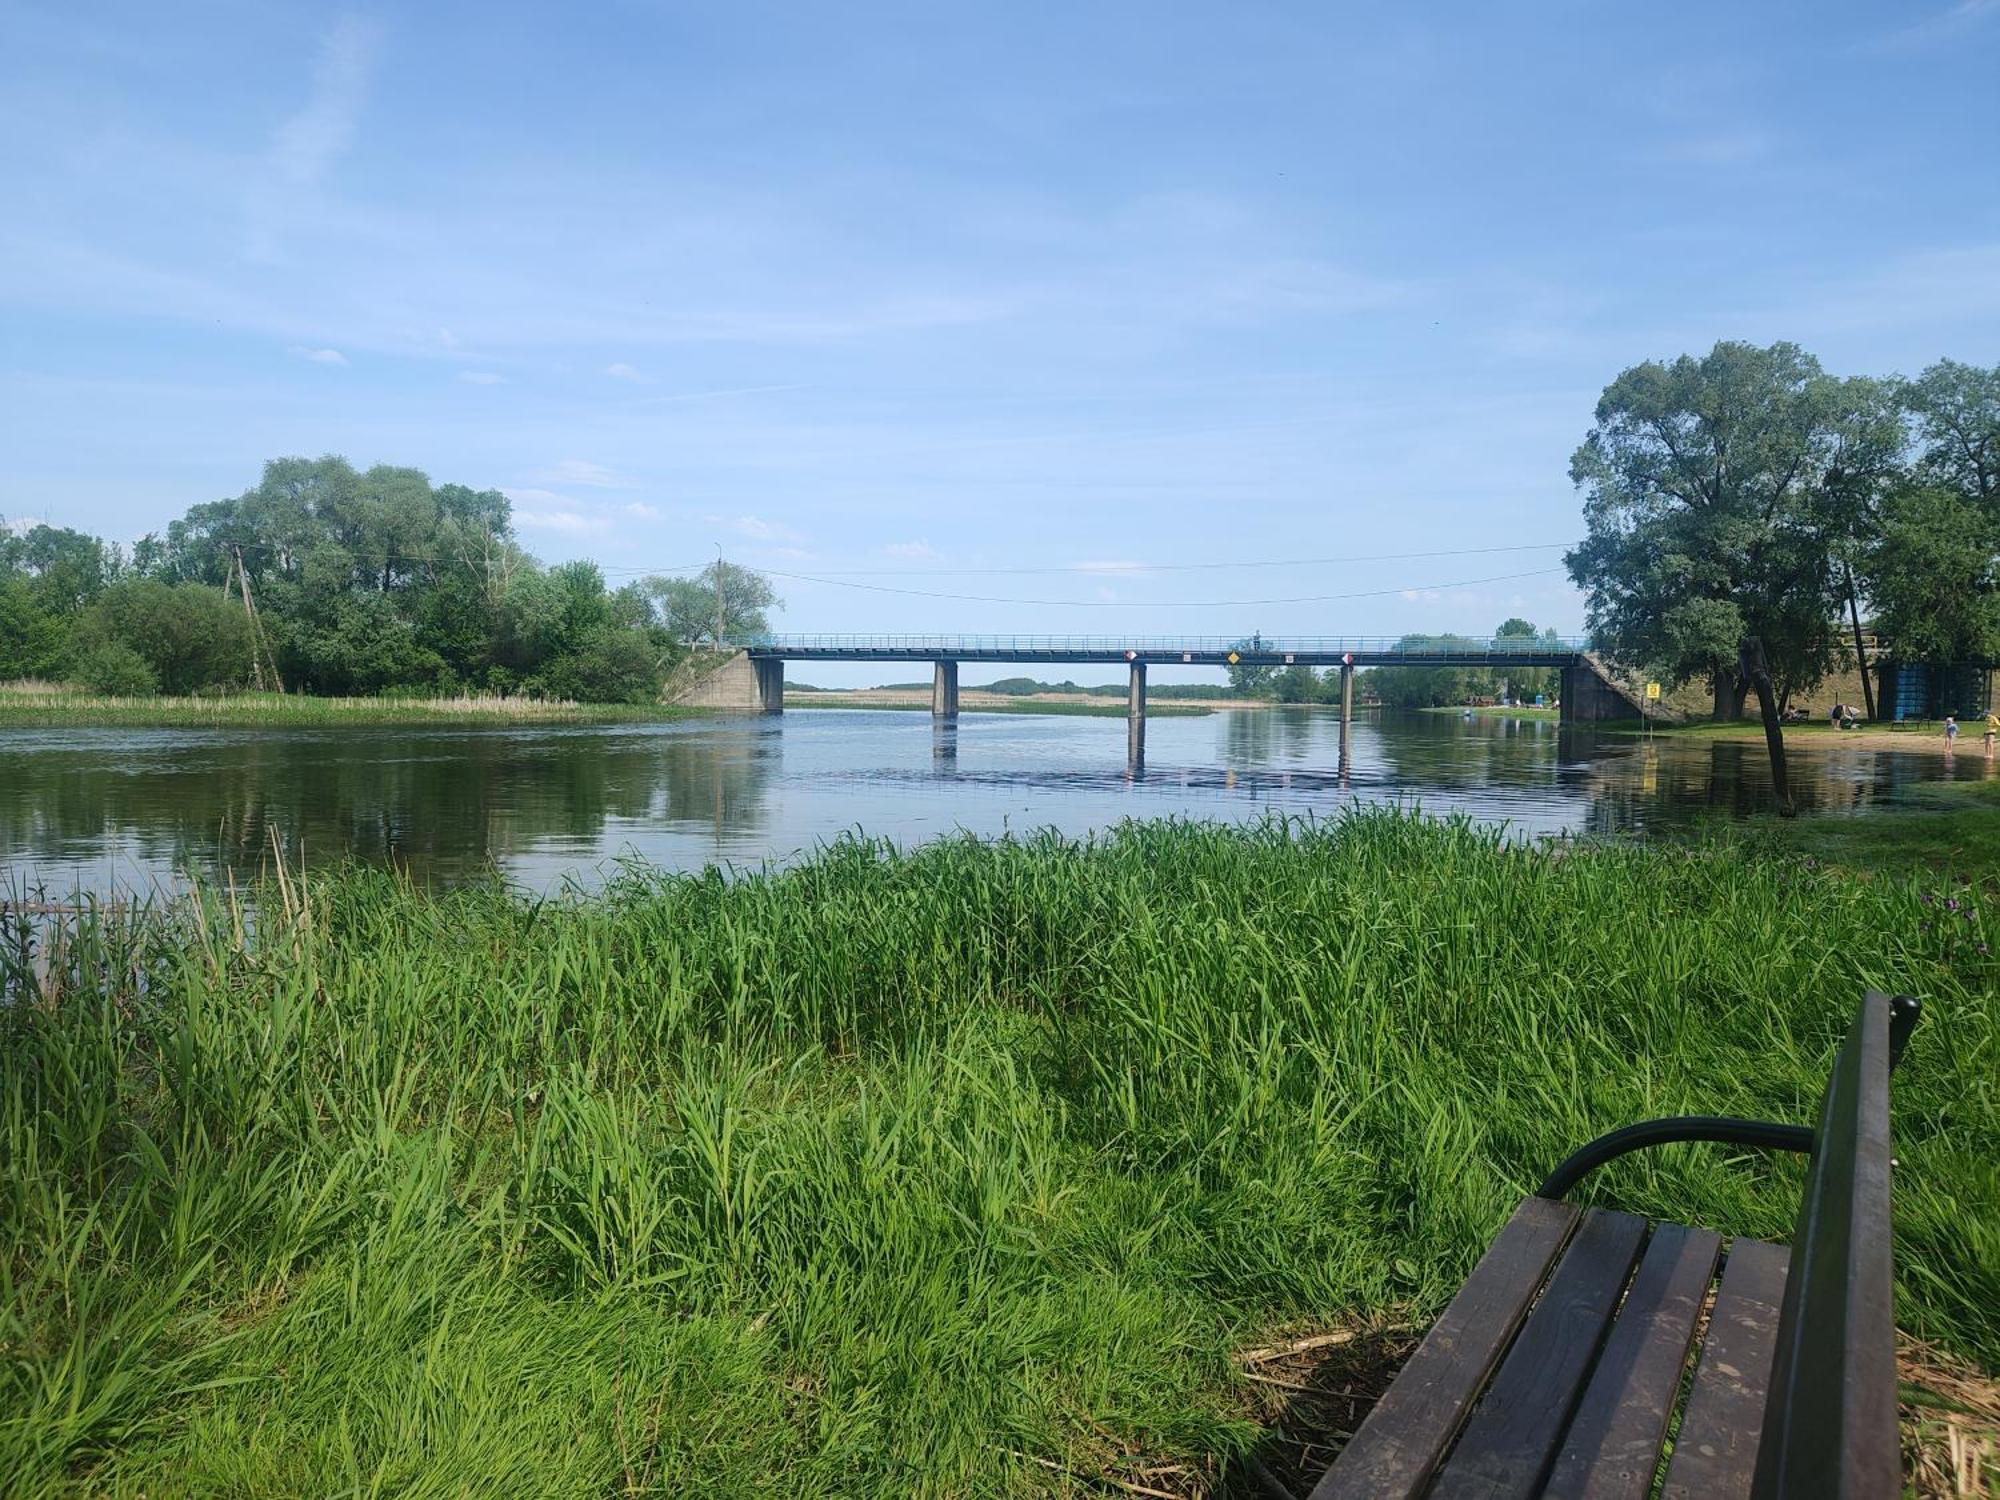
(1560, 1368)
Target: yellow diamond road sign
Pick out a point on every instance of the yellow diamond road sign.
(1652, 690)
(1234, 658)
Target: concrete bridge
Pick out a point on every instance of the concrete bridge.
(752, 679)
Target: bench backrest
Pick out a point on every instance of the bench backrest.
(1830, 1421)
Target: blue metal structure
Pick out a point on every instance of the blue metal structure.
(1206, 651)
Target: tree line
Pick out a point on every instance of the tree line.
(1746, 513)
(333, 580)
(1409, 686)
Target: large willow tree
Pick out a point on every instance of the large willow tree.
(1718, 496)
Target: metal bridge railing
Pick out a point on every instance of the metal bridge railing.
(1256, 645)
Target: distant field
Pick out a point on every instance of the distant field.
(972, 702)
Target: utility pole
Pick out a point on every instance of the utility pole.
(718, 596)
(260, 647)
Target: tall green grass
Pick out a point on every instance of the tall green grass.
(892, 1173)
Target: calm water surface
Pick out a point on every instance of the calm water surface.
(104, 809)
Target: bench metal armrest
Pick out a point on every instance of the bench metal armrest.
(1722, 1128)
(1903, 1014)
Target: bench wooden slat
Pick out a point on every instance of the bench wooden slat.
(1612, 1448)
(1512, 1434)
(1396, 1450)
(1715, 1453)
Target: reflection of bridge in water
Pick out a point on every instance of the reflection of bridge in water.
(753, 679)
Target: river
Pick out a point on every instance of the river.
(102, 810)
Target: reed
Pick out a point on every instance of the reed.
(953, 1171)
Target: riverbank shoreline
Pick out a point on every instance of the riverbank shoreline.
(67, 710)
(1817, 736)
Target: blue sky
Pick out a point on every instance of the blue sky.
(882, 291)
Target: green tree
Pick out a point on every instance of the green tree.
(1934, 578)
(1956, 408)
(1297, 684)
(189, 637)
(724, 596)
(31, 638)
(64, 569)
(1711, 540)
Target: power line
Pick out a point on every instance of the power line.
(879, 588)
(1114, 570)
(1127, 569)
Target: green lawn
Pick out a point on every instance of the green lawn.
(953, 1172)
(1940, 827)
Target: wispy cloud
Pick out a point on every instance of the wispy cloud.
(912, 551)
(1108, 567)
(623, 371)
(481, 377)
(581, 471)
(1940, 26)
(556, 517)
(735, 390)
(1719, 148)
(642, 510)
(318, 356)
(758, 529)
(309, 142)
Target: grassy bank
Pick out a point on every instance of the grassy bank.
(956, 1172)
(287, 710)
(1494, 711)
(1949, 828)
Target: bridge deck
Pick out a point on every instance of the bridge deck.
(1200, 651)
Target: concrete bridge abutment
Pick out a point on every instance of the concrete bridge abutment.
(944, 690)
(739, 684)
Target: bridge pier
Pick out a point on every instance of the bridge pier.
(1590, 696)
(944, 690)
(770, 685)
(1135, 716)
(1346, 702)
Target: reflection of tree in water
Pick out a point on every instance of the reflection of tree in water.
(437, 804)
(1261, 736)
(1668, 783)
(1445, 752)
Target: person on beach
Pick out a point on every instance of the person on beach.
(1950, 732)
(1835, 718)
(1992, 727)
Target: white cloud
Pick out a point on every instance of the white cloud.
(319, 356)
(642, 510)
(914, 551)
(571, 521)
(309, 142)
(759, 529)
(623, 371)
(581, 471)
(482, 377)
(447, 339)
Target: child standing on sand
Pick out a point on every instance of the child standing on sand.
(1992, 727)
(1950, 731)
